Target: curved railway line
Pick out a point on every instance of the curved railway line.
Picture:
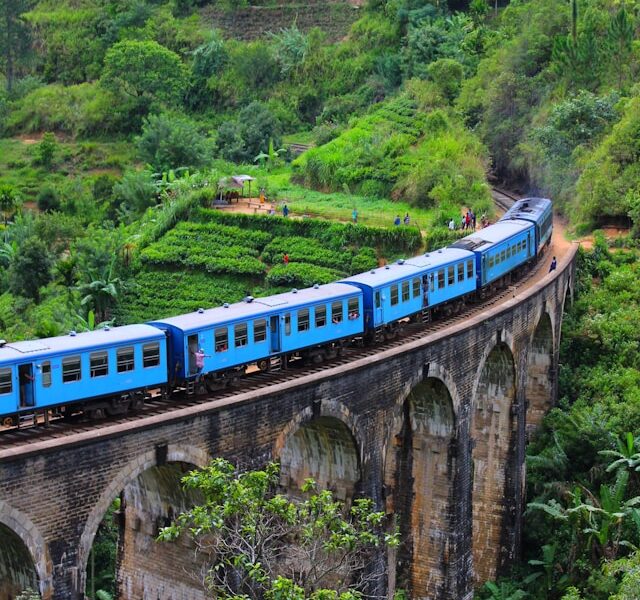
(11, 438)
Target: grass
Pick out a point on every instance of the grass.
(338, 206)
(72, 159)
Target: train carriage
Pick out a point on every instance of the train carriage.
(500, 250)
(538, 211)
(108, 370)
(258, 330)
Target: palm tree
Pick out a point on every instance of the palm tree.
(101, 293)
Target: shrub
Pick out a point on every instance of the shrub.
(364, 260)
(46, 150)
(301, 275)
(48, 199)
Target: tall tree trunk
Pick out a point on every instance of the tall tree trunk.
(574, 21)
(8, 18)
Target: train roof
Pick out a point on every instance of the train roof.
(409, 267)
(439, 258)
(77, 342)
(484, 239)
(254, 307)
(529, 209)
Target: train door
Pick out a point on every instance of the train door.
(192, 348)
(378, 311)
(274, 330)
(25, 374)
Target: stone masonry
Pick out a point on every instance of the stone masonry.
(433, 431)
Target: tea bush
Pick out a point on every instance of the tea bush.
(301, 275)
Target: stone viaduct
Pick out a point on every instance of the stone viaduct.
(433, 430)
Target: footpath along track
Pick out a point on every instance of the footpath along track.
(11, 439)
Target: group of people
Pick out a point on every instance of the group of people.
(406, 220)
(468, 221)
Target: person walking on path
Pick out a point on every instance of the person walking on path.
(452, 225)
(285, 259)
(285, 211)
(407, 220)
(396, 221)
(553, 265)
(354, 215)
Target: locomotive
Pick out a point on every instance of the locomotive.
(113, 370)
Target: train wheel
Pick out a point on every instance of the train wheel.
(9, 421)
(263, 365)
(96, 413)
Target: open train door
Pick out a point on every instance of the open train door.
(274, 333)
(27, 396)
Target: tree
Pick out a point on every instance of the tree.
(255, 128)
(30, 269)
(9, 202)
(620, 42)
(144, 72)
(257, 543)
(14, 36)
(101, 293)
(447, 74)
(168, 142)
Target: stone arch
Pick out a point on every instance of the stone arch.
(22, 542)
(419, 477)
(323, 446)
(492, 427)
(540, 384)
(127, 475)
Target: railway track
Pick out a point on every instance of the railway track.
(504, 200)
(60, 428)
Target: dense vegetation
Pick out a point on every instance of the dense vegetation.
(582, 528)
(119, 118)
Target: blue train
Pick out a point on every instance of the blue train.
(113, 370)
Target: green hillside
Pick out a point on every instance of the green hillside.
(119, 119)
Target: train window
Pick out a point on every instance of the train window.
(524, 244)
(513, 250)
(451, 275)
(98, 364)
(71, 369)
(6, 381)
(416, 286)
(353, 308)
(491, 261)
(240, 335)
(469, 268)
(519, 247)
(287, 324)
(303, 319)
(405, 291)
(503, 256)
(460, 271)
(259, 331)
(394, 295)
(377, 299)
(508, 251)
(440, 279)
(432, 282)
(336, 312)
(321, 315)
(125, 359)
(221, 339)
(151, 355)
(46, 374)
